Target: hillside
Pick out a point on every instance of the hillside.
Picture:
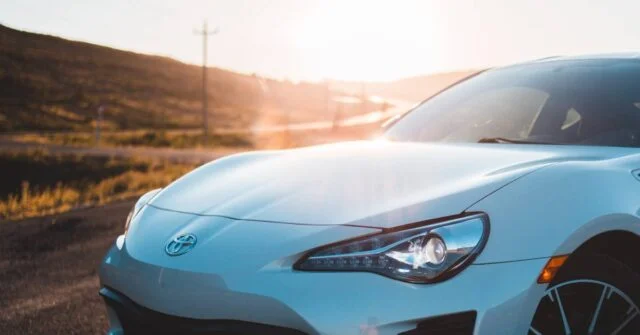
(412, 89)
(49, 83)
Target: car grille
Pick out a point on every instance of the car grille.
(136, 319)
(452, 324)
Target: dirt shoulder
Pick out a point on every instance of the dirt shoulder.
(48, 271)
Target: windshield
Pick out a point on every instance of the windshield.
(589, 102)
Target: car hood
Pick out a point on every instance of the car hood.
(373, 184)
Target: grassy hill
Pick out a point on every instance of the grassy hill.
(414, 89)
(49, 83)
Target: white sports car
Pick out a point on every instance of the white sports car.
(509, 203)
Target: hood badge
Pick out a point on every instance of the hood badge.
(181, 244)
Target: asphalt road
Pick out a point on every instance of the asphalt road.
(48, 271)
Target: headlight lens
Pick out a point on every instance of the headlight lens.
(424, 254)
(144, 199)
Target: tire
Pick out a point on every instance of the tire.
(592, 294)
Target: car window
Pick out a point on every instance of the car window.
(512, 109)
(591, 102)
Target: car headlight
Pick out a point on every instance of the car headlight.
(142, 201)
(423, 254)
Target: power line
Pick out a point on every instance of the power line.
(205, 33)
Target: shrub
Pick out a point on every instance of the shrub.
(100, 181)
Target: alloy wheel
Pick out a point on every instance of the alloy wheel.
(585, 307)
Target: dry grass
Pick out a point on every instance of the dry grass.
(95, 181)
(144, 138)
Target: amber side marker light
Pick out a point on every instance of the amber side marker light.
(549, 271)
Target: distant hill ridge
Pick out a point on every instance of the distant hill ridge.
(50, 83)
(413, 89)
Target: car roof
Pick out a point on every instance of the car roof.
(599, 58)
(611, 56)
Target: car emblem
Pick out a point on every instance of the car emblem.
(181, 244)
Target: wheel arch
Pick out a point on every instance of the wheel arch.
(622, 245)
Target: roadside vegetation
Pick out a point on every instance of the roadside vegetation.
(37, 183)
(143, 138)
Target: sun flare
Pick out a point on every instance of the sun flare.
(356, 41)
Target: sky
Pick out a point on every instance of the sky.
(367, 40)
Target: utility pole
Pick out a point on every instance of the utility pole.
(205, 32)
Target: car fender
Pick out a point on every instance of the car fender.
(555, 209)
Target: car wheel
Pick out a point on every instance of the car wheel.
(594, 294)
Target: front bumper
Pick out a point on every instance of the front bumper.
(136, 319)
(502, 298)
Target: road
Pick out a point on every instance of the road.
(204, 155)
(398, 107)
(378, 116)
(48, 280)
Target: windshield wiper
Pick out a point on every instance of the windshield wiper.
(507, 140)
